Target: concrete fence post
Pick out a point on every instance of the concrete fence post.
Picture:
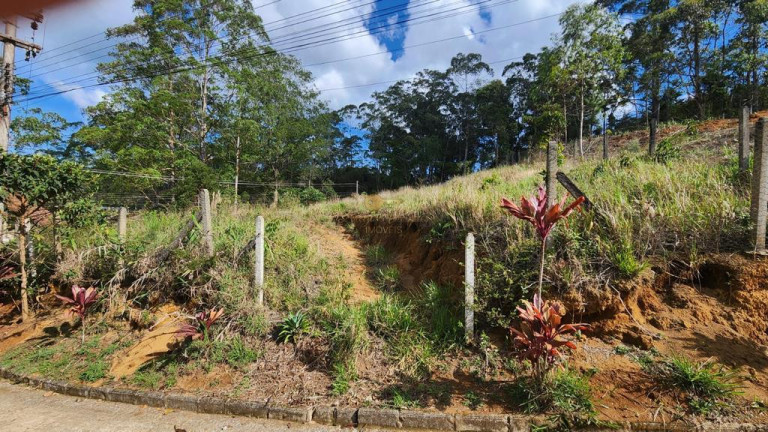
(551, 172)
(744, 139)
(258, 269)
(758, 210)
(469, 288)
(122, 224)
(357, 187)
(205, 209)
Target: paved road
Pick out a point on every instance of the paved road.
(28, 409)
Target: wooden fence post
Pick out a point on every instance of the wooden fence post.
(258, 270)
(744, 139)
(551, 172)
(758, 210)
(469, 288)
(205, 208)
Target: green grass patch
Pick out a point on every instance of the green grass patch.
(707, 386)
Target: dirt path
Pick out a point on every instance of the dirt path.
(335, 241)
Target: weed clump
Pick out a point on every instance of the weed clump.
(707, 387)
(564, 393)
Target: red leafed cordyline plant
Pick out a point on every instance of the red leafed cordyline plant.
(82, 300)
(543, 218)
(202, 326)
(542, 337)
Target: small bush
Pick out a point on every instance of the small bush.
(623, 259)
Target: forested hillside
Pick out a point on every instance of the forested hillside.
(200, 95)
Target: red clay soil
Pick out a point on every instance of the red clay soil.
(619, 142)
(417, 260)
(336, 242)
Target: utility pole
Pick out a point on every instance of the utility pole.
(10, 43)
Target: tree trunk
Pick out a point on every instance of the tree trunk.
(698, 97)
(23, 264)
(581, 123)
(654, 118)
(605, 137)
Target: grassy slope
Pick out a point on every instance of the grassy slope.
(684, 208)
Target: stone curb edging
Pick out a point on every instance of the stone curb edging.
(337, 416)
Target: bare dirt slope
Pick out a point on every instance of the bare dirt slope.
(335, 241)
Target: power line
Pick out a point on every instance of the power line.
(292, 49)
(303, 34)
(104, 33)
(193, 19)
(160, 177)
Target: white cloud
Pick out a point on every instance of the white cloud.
(81, 97)
(469, 33)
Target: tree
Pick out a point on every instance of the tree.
(46, 132)
(195, 76)
(465, 70)
(649, 42)
(746, 57)
(31, 186)
(593, 54)
(497, 123)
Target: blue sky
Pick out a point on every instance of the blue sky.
(382, 57)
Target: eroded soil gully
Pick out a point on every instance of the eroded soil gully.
(417, 260)
(715, 312)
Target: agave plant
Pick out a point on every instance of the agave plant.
(202, 326)
(292, 327)
(542, 336)
(81, 301)
(543, 217)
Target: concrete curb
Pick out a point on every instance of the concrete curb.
(338, 416)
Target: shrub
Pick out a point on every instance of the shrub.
(542, 336)
(202, 327)
(343, 375)
(81, 301)
(542, 217)
(311, 195)
(347, 331)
